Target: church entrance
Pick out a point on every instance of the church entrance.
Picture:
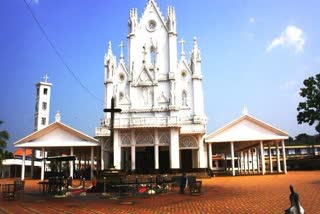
(126, 159)
(186, 160)
(145, 160)
(164, 159)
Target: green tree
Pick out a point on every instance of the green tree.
(4, 136)
(309, 110)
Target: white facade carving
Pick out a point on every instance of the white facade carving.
(156, 89)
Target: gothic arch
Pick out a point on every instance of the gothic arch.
(125, 137)
(188, 142)
(144, 138)
(164, 138)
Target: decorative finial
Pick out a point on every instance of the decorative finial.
(58, 117)
(195, 42)
(46, 78)
(109, 47)
(121, 50)
(181, 42)
(245, 110)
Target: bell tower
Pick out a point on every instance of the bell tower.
(42, 107)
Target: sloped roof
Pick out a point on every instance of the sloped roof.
(57, 134)
(19, 152)
(246, 128)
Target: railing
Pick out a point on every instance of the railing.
(187, 124)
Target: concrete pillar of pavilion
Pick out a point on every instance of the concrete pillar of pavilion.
(174, 149)
(262, 158)
(91, 162)
(238, 162)
(102, 155)
(133, 150)
(232, 158)
(71, 162)
(202, 152)
(23, 163)
(116, 150)
(258, 159)
(32, 162)
(248, 161)
(278, 157)
(241, 162)
(245, 162)
(252, 163)
(156, 149)
(42, 163)
(270, 158)
(210, 156)
(284, 157)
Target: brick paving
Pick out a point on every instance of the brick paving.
(242, 194)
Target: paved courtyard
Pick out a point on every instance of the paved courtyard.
(243, 194)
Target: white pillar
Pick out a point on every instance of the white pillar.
(42, 163)
(238, 161)
(248, 161)
(252, 163)
(258, 159)
(32, 162)
(262, 158)
(278, 157)
(133, 150)
(202, 154)
(23, 163)
(232, 158)
(116, 150)
(92, 162)
(210, 155)
(270, 159)
(245, 162)
(71, 163)
(102, 154)
(241, 162)
(174, 149)
(284, 157)
(156, 149)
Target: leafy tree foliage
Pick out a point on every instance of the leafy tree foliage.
(309, 111)
(4, 136)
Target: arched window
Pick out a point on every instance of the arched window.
(153, 55)
(184, 98)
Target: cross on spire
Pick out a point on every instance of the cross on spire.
(121, 49)
(181, 42)
(46, 78)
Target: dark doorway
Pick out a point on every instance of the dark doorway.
(145, 160)
(186, 160)
(164, 159)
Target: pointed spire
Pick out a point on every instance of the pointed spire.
(109, 48)
(182, 53)
(58, 117)
(121, 51)
(195, 43)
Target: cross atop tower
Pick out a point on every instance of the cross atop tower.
(245, 110)
(46, 78)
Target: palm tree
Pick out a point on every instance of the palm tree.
(4, 136)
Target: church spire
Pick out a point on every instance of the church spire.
(121, 51)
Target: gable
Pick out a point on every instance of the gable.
(246, 128)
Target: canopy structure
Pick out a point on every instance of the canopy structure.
(245, 140)
(59, 139)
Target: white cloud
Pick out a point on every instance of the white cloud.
(292, 36)
(34, 2)
(252, 20)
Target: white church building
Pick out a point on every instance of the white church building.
(162, 123)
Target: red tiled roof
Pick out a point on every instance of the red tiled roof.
(19, 152)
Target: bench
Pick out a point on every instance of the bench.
(8, 192)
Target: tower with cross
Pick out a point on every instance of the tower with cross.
(42, 104)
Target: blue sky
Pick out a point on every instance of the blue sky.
(254, 54)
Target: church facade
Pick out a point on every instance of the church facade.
(162, 122)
